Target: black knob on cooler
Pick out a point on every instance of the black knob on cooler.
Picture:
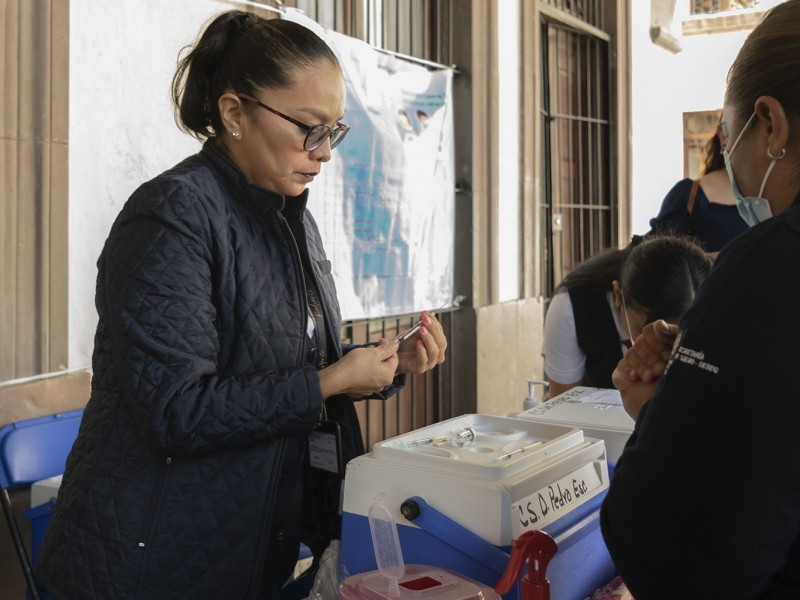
(410, 509)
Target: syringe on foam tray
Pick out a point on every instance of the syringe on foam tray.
(458, 438)
(513, 453)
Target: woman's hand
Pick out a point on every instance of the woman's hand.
(635, 394)
(637, 374)
(361, 372)
(423, 350)
(647, 359)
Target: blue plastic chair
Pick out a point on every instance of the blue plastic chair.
(32, 450)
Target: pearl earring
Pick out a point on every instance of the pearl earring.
(235, 133)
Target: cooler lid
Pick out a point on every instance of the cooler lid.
(482, 446)
(586, 408)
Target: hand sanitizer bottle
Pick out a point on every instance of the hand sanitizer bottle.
(531, 400)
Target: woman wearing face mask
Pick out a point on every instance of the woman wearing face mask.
(705, 500)
(603, 304)
(217, 350)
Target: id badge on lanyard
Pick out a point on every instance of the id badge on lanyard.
(325, 446)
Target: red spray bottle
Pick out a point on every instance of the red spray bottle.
(537, 548)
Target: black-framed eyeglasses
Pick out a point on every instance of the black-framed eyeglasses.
(315, 134)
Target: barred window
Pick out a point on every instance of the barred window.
(705, 7)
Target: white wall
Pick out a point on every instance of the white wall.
(509, 123)
(121, 128)
(664, 86)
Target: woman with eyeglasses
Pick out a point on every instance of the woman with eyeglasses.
(222, 407)
(705, 500)
(604, 303)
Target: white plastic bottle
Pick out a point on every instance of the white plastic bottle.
(531, 400)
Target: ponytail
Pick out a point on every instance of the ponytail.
(241, 52)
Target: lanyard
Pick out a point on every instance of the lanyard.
(315, 308)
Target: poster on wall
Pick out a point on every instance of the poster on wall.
(385, 201)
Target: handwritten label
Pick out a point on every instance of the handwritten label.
(601, 398)
(554, 500)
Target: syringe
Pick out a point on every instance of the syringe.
(457, 439)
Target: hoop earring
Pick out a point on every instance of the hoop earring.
(780, 156)
(236, 133)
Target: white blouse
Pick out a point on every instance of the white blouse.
(564, 361)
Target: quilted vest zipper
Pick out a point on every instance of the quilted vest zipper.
(298, 267)
(327, 336)
(152, 513)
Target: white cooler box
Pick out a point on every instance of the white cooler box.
(597, 411)
(466, 504)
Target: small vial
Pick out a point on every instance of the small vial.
(461, 437)
(457, 439)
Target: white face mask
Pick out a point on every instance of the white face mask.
(752, 209)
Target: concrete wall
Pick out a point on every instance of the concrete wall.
(509, 349)
(499, 349)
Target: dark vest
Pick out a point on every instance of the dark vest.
(597, 335)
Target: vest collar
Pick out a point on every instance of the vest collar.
(255, 198)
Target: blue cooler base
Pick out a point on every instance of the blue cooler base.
(581, 565)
